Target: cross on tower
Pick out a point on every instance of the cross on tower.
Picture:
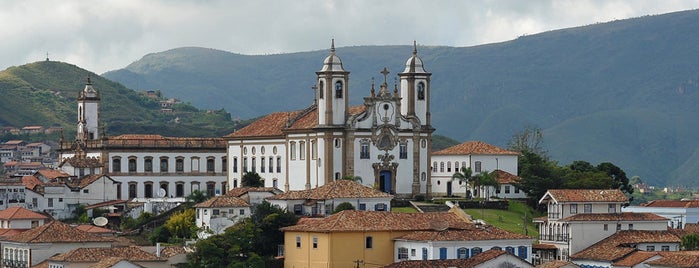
(385, 73)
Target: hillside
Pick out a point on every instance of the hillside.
(44, 93)
(623, 91)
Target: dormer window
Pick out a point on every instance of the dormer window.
(338, 90)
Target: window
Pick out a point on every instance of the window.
(210, 166)
(279, 164)
(215, 212)
(254, 164)
(315, 242)
(364, 151)
(179, 189)
(424, 254)
(421, 91)
(497, 189)
(116, 164)
(321, 89)
(402, 253)
(606, 227)
(163, 164)
(262, 165)
(650, 248)
(302, 150)
(148, 188)
(573, 208)
(242, 211)
(510, 250)
(403, 151)
(275, 183)
(338, 90)
(630, 226)
(456, 166)
(369, 242)
(618, 226)
(132, 164)
(665, 248)
(442, 253)
(298, 241)
(496, 248)
(314, 150)
(441, 166)
(337, 143)
(235, 164)
(148, 164)
(588, 208)
(224, 164)
(522, 252)
(462, 253)
(179, 164)
(412, 252)
(86, 191)
(50, 202)
(612, 208)
(434, 166)
(245, 164)
(271, 164)
(362, 206)
(449, 167)
(132, 190)
(380, 207)
(516, 190)
(477, 166)
(507, 189)
(292, 150)
(475, 251)
(210, 188)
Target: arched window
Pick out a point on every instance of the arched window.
(148, 188)
(434, 166)
(441, 166)
(132, 164)
(292, 150)
(179, 189)
(456, 167)
(262, 165)
(163, 164)
(475, 251)
(116, 164)
(321, 89)
(338, 90)
(148, 164)
(424, 254)
(279, 164)
(179, 164)
(449, 166)
(254, 165)
(421, 91)
(302, 150)
(165, 186)
(423, 176)
(462, 253)
(132, 190)
(511, 250)
(271, 164)
(210, 164)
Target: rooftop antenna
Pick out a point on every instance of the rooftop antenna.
(47, 56)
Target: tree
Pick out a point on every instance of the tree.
(465, 176)
(690, 242)
(538, 175)
(252, 179)
(620, 181)
(343, 206)
(529, 139)
(487, 180)
(182, 224)
(196, 197)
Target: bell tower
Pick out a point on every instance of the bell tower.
(415, 89)
(88, 113)
(333, 91)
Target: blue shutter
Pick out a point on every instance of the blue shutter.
(442, 253)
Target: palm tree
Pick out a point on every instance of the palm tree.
(487, 179)
(465, 176)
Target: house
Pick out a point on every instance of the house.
(32, 130)
(254, 195)
(40, 149)
(38, 244)
(507, 185)
(324, 199)
(382, 238)
(681, 259)
(90, 257)
(678, 212)
(578, 218)
(618, 249)
(18, 218)
(477, 155)
(489, 258)
(216, 214)
(385, 141)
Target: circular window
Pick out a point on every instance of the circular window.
(423, 143)
(385, 106)
(245, 150)
(253, 150)
(262, 150)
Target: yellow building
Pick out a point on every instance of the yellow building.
(365, 237)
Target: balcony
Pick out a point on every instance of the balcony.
(554, 215)
(554, 238)
(13, 263)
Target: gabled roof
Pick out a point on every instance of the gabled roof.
(680, 259)
(97, 254)
(635, 258)
(94, 229)
(624, 216)
(585, 195)
(223, 201)
(112, 262)
(86, 180)
(54, 232)
(557, 264)
(504, 177)
(474, 147)
(20, 213)
(618, 245)
(31, 182)
(332, 190)
(52, 173)
(357, 220)
(460, 263)
(672, 204)
(474, 233)
(240, 191)
(78, 162)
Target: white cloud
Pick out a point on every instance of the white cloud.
(107, 35)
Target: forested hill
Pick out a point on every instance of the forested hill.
(44, 93)
(624, 91)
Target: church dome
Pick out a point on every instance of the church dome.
(414, 63)
(332, 62)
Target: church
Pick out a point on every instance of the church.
(386, 141)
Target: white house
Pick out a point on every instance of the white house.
(507, 185)
(487, 259)
(385, 141)
(254, 195)
(216, 214)
(621, 248)
(324, 199)
(17, 219)
(678, 212)
(477, 155)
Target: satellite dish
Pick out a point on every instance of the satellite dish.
(100, 221)
(161, 192)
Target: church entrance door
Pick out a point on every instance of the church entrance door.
(385, 180)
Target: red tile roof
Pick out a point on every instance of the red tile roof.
(616, 246)
(110, 262)
(19, 213)
(474, 147)
(624, 216)
(486, 232)
(672, 204)
(557, 264)
(158, 141)
(332, 190)
(635, 258)
(97, 254)
(587, 195)
(94, 229)
(31, 182)
(54, 232)
(504, 177)
(544, 246)
(223, 201)
(354, 220)
(90, 162)
(52, 173)
(240, 191)
(680, 259)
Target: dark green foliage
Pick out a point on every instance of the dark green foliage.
(690, 242)
(197, 196)
(466, 177)
(252, 179)
(440, 142)
(343, 206)
(249, 243)
(159, 234)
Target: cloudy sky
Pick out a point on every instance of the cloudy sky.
(109, 34)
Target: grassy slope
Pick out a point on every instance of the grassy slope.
(511, 219)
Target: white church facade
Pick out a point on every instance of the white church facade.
(386, 141)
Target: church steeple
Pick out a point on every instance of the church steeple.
(88, 113)
(415, 89)
(333, 87)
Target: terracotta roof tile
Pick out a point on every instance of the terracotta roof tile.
(356, 220)
(635, 258)
(168, 252)
(19, 213)
(617, 246)
(486, 232)
(680, 259)
(52, 174)
(588, 195)
(97, 254)
(158, 141)
(111, 262)
(504, 177)
(332, 190)
(465, 263)
(94, 229)
(31, 182)
(544, 246)
(474, 147)
(240, 191)
(54, 232)
(79, 162)
(557, 264)
(624, 216)
(223, 201)
(672, 204)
